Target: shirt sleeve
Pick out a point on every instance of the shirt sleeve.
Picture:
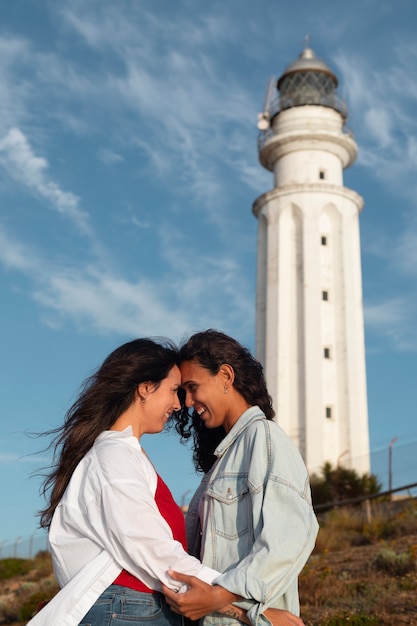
(126, 521)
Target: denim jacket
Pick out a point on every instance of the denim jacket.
(252, 517)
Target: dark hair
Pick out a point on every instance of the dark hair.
(211, 349)
(105, 395)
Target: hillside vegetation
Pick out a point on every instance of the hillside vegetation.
(362, 573)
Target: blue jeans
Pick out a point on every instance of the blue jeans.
(120, 606)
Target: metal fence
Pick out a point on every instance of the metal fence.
(396, 464)
(24, 547)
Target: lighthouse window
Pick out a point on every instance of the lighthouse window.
(322, 175)
(326, 352)
(325, 295)
(328, 412)
(323, 240)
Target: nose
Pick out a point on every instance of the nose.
(177, 403)
(189, 402)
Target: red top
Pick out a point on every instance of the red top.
(173, 515)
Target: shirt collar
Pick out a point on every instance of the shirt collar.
(126, 434)
(250, 415)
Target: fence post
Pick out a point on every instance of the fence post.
(16, 541)
(368, 510)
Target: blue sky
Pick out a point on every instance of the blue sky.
(128, 168)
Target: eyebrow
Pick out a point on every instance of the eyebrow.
(187, 382)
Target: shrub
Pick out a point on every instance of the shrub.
(28, 587)
(9, 610)
(336, 484)
(14, 567)
(42, 565)
(392, 563)
(340, 529)
(408, 582)
(33, 604)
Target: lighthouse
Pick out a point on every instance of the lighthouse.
(309, 310)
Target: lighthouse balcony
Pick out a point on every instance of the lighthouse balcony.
(331, 100)
(305, 121)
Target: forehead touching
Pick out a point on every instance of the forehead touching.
(174, 376)
(192, 371)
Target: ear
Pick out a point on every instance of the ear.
(144, 389)
(227, 373)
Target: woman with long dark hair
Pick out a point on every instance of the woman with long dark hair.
(114, 528)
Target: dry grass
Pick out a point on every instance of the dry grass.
(21, 593)
(362, 573)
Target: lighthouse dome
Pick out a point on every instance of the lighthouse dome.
(309, 80)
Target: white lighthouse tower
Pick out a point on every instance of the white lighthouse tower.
(309, 312)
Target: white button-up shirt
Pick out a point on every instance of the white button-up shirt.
(107, 521)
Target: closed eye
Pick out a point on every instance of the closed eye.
(190, 387)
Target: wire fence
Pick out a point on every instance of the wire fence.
(24, 547)
(395, 467)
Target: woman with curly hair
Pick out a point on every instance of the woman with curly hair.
(252, 516)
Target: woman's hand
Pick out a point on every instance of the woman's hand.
(200, 598)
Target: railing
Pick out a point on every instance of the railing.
(332, 101)
(264, 135)
(383, 494)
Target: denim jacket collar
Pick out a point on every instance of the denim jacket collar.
(250, 415)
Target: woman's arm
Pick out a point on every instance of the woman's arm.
(201, 599)
(126, 522)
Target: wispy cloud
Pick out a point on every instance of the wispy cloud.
(383, 116)
(182, 108)
(109, 157)
(394, 319)
(192, 108)
(112, 304)
(29, 170)
(14, 255)
(405, 251)
(14, 95)
(11, 458)
(386, 130)
(183, 142)
(96, 298)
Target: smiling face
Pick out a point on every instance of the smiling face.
(158, 403)
(211, 395)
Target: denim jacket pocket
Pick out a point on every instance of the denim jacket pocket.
(230, 502)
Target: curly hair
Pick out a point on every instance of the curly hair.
(104, 396)
(211, 349)
(205, 440)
